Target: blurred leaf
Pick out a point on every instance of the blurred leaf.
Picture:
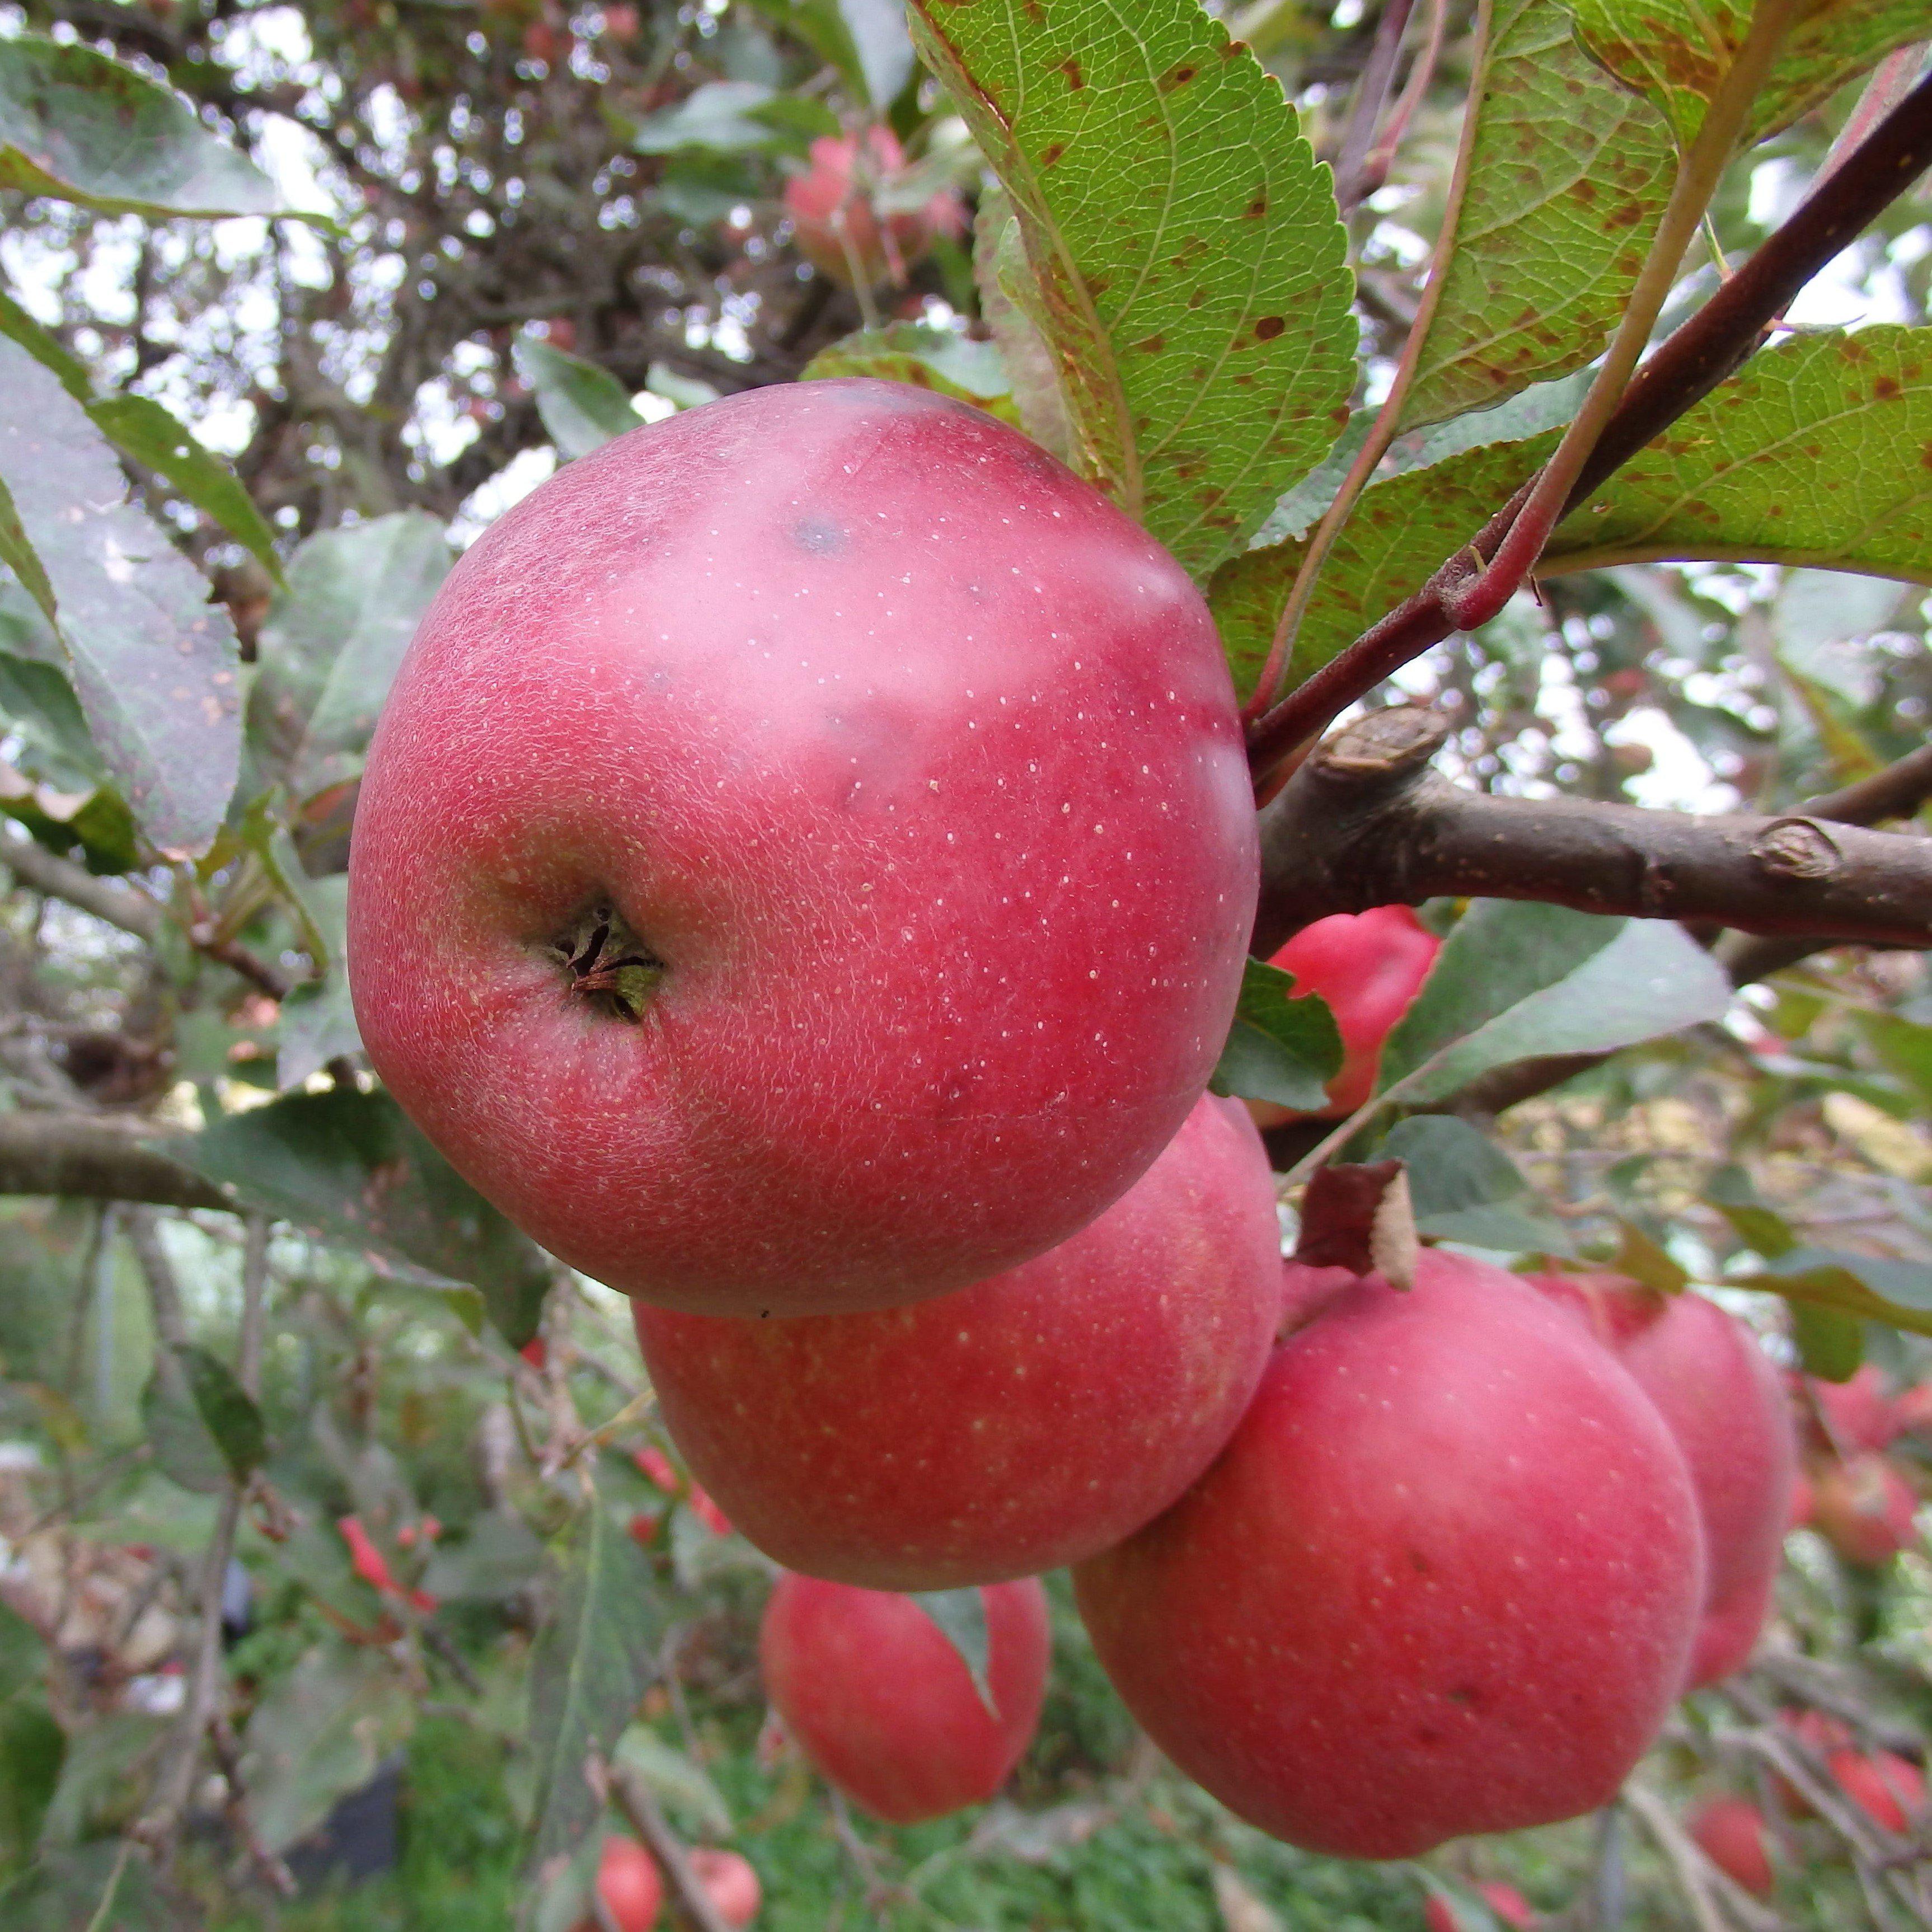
(1646, 1261)
(592, 1659)
(331, 643)
(1188, 264)
(681, 1784)
(1903, 1047)
(1280, 1048)
(1537, 979)
(1540, 271)
(877, 29)
(154, 664)
(683, 392)
(1463, 1187)
(81, 127)
(938, 359)
(717, 115)
(31, 1748)
(1759, 1227)
(960, 1617)
(232, 1418)
(318, 1022)
(104, 1887)
(1831, 1345)
(185, 1448)
(497, 1558)
(1812, 454)
(352, 1167)
(103, 1780)
(582, 407)
(319, 1733)
(1010, 298)
(1821, 621)
(1858, 1287)
(22, 1653)
(1676, 52)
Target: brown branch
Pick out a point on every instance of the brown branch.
(40, 871)
(1366, 822)
(105, 1158)
(1690, 363)
(1352, 179)
(1896, 792)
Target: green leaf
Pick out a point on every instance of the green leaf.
(319, 1733)
(331, 643)
(1761, 1228)
(673, 1777)
(78, 126)
(960, 1616)
(1010, 298)
(233, 1419)
(1675, 52)
(32, 1747)
(1402, 529)
(1530, 980)
(1646, 1261)
(927, 358)
(497, 1559)
(352, 1167)
(1567, 177)
(718, 115)
(102, 1887)
(1463, 1187)
(22, 1653)
(1904, 1048)
(185, 1450)
(1814, 453)
(582, 406)
(1280, 1048)
(1188, 267)
(154, 663)
(1831, 1345)
(591, 1659)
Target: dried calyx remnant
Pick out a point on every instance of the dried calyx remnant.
(604, 960)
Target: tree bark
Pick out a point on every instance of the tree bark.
(98, 1159)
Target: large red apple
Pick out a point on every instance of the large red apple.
(1369, 966)
(1005, 1429)
(879, 1699)
(1725, 1402)
(1444, 1579)
(805, 861)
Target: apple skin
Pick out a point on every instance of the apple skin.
(917, 765)
(1724, 1401)
(728, 1881)
(1859, 1414)
(1730, 1833)
(1369, 966)
(875, 1695)
(629, 1884)
(1011, 1427)
(1361, 1629)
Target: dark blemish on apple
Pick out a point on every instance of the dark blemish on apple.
(818, 536)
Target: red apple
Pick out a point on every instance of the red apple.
(909, 770)
(729, 1882)
(1725, 1402)
(1004, 1429)
(1864, 1508)
(837, 219)
(1860, 1414)
(1444, 1579)
(1506, 1904)
(878, 1698)
(628, 1883)
(1369, 966)
(1730, 1832)
(1889, 1789)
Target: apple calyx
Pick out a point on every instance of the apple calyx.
(603, 959)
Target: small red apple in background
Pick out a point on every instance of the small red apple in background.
(1864, 1508)
(1730, 1833)
(1005, 1429)
(1860, 1414)
(630, 1885)
(1890, 1789)
(877, 1698)
(1369, 966)
(1507, 1904)
(1725, 1402)
(1360, 1629)
(838, 197)
(729, 1882)
(806, 859)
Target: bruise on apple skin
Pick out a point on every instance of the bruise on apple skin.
(944, 833)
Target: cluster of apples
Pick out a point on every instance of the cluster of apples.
(1857, 1496)
(803, 877)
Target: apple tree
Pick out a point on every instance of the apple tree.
(1371, 569)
